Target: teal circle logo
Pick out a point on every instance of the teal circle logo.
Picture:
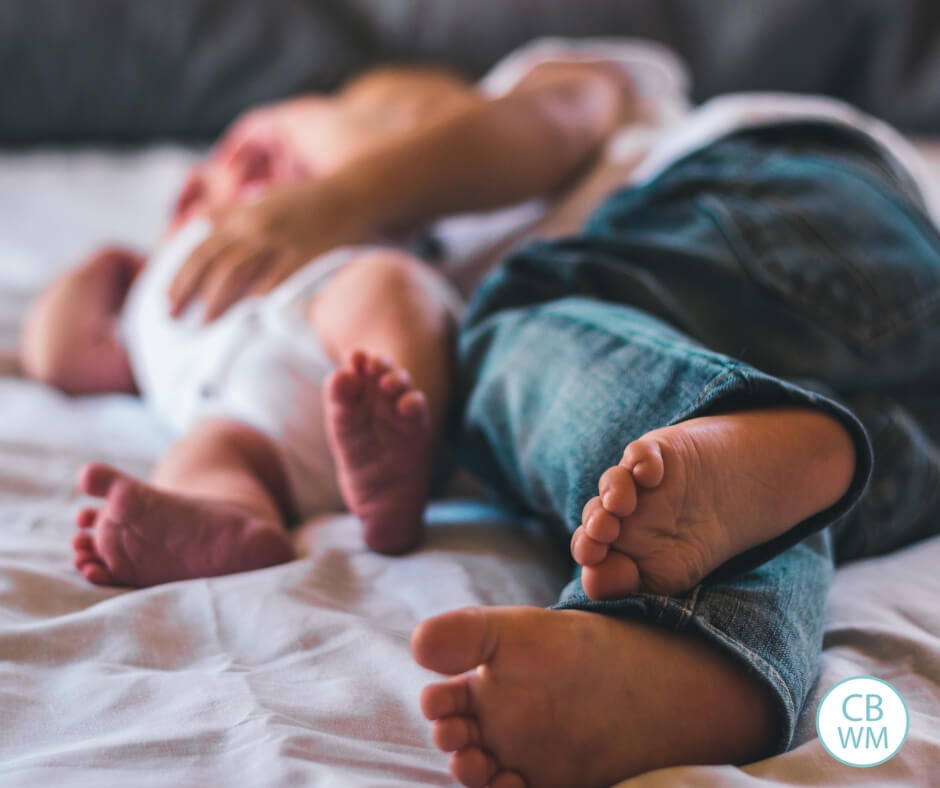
(862, 721)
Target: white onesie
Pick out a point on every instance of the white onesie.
(260, 363)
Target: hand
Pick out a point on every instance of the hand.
(255, 246)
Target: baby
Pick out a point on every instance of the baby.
(327, 381)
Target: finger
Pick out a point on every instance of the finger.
(231, 283)
(192, 273)
(278, 271)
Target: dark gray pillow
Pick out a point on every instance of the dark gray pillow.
(127, 70)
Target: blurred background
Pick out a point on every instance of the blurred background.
(133, 70)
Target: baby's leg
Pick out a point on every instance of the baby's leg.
(383, 319)
(216, 504)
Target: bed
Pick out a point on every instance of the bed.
(299, 674)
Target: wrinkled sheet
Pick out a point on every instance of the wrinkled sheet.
(298, 674)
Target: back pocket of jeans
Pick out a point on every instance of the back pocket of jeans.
(856, 261)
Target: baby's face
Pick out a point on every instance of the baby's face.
(245, 163)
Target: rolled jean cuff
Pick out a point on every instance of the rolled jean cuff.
(678, 614)
(768, 620)
(742, 387)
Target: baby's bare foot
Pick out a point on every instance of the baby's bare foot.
(380, 431)
(143, 536)
(546, 698)
(684, 499)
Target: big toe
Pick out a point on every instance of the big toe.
(616, 577)
(454, 642)
(96, 479)
(344, 387)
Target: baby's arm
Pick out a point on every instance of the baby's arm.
(70, 339)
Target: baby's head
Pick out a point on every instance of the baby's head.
(241, 167)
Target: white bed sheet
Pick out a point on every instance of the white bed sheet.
(299, 674)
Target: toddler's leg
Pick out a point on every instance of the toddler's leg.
(383, 320)
(216, 505)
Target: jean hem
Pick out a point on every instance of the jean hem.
(678, 615)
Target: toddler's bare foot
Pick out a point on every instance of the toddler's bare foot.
(550, 698)
(684, 499)
(380, 431)
(143, 536)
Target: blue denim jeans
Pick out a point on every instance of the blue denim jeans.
(786, 265)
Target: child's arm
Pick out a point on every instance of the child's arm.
(488, 153)
(70, 338)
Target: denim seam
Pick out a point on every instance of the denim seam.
(731, 370)
(769, 672)
(689, 607)
(662, 609)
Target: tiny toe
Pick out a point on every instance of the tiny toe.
(86, 518)
(376, 366)
(456, 733)
(474, 767)
(644, 459)
(394, 382)
(97, 573)
(83, 558)
(618, 491)
(602, 526)
(585, 550)
(614, 578)
(83, 541)
(507, 779)
(446, 699)
(96, 478)
(412, 405)
(344, 387)
(357, 362)
(590, 507)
